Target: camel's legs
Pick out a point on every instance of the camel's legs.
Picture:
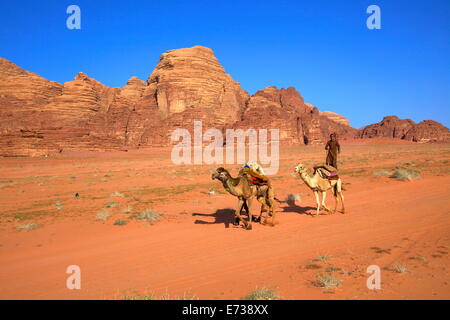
(238, 212)
(324, 196)
(263, 209)
(335, 203)
(342, 201)
(316, 195)
(270, 199)
(247, 209)
(340, 195)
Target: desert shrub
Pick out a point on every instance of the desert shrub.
(111, 204)
(313, 266)
(127, 209)
(28, 227)
(150, 215)
(58, 205)
(263, 293)
(405, 174)
(117, 194)
(120, 222)
(103, 215)
(332, 269)
(322, 257)
(382, 173)
(327, 280)
(399, 268)
(151, 296)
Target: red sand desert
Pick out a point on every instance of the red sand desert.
(401, 226)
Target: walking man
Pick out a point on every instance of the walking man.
(334, 149)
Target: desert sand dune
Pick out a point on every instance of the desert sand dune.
(401, 226)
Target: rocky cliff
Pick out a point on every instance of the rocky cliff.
(389, 127)
(38, 116)
(393, 127)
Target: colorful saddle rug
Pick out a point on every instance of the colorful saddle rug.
(257, 181)
(327, 174)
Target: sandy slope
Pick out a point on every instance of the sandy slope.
(388, 222)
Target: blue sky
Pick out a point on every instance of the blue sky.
(323, 48)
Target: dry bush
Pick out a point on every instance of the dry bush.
(405, 174)
(262, 293)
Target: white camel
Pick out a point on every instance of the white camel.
(318, 184)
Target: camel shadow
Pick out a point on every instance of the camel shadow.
(225, 216)
(292, 207)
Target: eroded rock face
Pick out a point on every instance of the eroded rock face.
(38, 116)
(393, 127)
(192, 79)
(389, 127)
(428, 131)
(336, 118)
(298, 122)
(273, 108)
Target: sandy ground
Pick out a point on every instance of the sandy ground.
(401, 226)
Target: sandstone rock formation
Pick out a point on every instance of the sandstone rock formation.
(336, 118)
(285, 109)
(273, 108)
(389, 127)
(38, 116)
(393, 127)
(428, 131)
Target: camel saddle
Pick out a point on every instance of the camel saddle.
(254, 177)
(257, 181)
(327, 172)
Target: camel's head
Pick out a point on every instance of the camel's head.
(300, 168)
(220, 174)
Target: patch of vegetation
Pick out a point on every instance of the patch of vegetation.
(128, 209)
(103, 215)
(332, 269)
(262, 293)
(150, 216)
(117, 194)
(399, 267)
(28, 227)
(165, 296)
(58, 205)
(111, 204)
(327, 280)
(312, 266)
(379, 250)
(382, 173)
(405, 174)
(322, 258)
(120, 222)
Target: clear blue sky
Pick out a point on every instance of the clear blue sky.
(322, 48)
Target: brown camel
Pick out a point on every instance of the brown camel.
(318, 184)
(246, 192)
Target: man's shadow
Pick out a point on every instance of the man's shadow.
(225, 216)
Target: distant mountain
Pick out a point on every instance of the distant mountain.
(38, 116)
(393, 127)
